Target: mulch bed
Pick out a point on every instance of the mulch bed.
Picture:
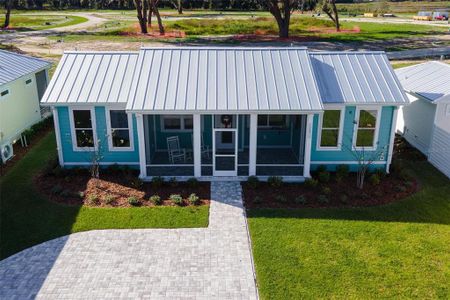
(343, 194)
(76, 188)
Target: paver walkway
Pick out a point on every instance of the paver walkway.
(201, 263)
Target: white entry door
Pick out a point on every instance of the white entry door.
(225, 152)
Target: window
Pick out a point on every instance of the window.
(83, 130)
(182, 122)
(367, 127)
(28, 81)
(330, 129)
(4, 93)
(272, 121)
(119, 130)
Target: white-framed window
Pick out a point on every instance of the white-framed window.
(83, 129)
(367, 123)
(120, 130)
(177, 123)
(331, 123)
(272, 121)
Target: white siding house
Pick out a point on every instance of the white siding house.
(425, 123)
(23, 80)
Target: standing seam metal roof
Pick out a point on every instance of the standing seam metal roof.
(223, 79)
(430, 80)
(356, 77)
(92, 77)
(14, 66)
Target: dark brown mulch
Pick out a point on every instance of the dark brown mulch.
(19, 151)
(76, 188)
(391, 188)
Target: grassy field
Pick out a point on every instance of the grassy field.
(411, 7)
(399, 251)
(310, 28)
(39, 22)
(28, 219)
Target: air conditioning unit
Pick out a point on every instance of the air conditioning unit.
(6, 152)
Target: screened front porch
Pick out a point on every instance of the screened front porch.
(225, 144)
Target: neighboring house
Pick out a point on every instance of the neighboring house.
(230, 111)
(425, 123)
(23, 80)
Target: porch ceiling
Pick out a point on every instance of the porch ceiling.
(224, 80)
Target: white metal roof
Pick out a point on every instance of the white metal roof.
(356, 77)
(430, 80)
(224, 79)
(92, 77)
(14, 66)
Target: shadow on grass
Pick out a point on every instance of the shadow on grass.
(430, 205)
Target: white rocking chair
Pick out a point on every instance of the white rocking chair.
(175, 152)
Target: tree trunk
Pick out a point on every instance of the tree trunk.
(282, 16)
(8, 6)
(150, 13)
(336, 16)
(158, 17)
(180, 7)
(142, 20)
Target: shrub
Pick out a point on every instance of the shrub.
(374, 179)
(59, 172)
(342, 171)
(177, 199)
(136, 182)
(322, 199)
(173, 182)
(300, 199)
(401, 188)
(405, 175)
(344, 198)
(257, 200)
(156, 200)
(133, 201)
(253, 182)
(194, 199)
(157, 181)
(378, 193)
(380, 172)
(321, 168)
(81, 194)
(51, 164)
(109, 199)
(275, 181)
(326, 190)
(66, 193)
(311, 183)
(397, 165)
(56, 189)
(324, 176)
(192, 182)
(281, 198)
(92, 199)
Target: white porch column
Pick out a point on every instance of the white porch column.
(141, 140)
(308, 137)
(58, 136)
(391, 139)
(197, 141)
(253, 144)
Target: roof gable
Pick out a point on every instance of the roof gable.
(356, 77)
(14, 65)
(430, 80)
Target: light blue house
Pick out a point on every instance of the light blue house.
(235, 112)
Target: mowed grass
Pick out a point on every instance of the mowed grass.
(39, 22)
(399, 251)
(28, 219)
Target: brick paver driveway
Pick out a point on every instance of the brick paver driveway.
(201, 263)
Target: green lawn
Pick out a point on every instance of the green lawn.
(28, 219)
(39, 22)
(399, 251)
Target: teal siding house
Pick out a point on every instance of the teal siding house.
(225, 112)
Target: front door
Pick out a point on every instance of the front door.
(225, 152)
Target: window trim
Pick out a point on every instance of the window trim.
(182, 123)
(341, 129)
(356, 126)
(72, 129)
(269, 127)
(111, 146)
